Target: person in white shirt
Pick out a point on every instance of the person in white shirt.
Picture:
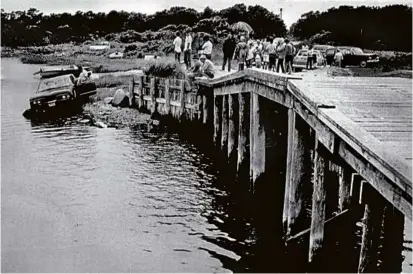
(188, 49)
(177, 47)
(207, 48)
(338, 58)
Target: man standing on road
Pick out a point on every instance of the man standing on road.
(281, 51)
(338, 58)
(289, 50)
(265, 55)
(309, 58)
(240, 54)
(228, 49)
(188, 50)
(272, 55)
(207, 48)
(177, 47)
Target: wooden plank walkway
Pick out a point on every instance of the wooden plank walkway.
(372, 114)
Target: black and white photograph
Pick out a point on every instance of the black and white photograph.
(182, 136)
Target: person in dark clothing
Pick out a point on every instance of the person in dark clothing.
(228, 49)
(310, 58)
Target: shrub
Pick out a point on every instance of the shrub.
(33, 59)
(132, 47)
(164, 68)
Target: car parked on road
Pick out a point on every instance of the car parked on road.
(59, 91)
(353, 56)
(300, 60)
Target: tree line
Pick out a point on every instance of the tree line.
(32, 27)
(385, 28)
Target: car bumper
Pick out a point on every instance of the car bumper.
(49, 103)
(373, 61)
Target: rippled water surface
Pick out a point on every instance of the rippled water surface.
(76, 198)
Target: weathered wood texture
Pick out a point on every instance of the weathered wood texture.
(232, 134)
(318, 211)
(224, 127)
(217, 121)
(295, 173)
(373, 119)
(257, 158)
(372, 225)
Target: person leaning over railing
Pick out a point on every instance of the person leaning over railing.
(202, 68)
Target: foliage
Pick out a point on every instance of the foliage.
(164, 68)
(128, 27)
(386, 28)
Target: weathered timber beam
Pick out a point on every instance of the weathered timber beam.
(175, 103)
(369, 148)
(324, 134)
(327, 222)
(224, 136)
(276, 95)
(217, 121)
(397, 197)
(167, 98)
(372, 221)
(318, 212)
(295, 172)
(230, 89)
(257, 160)
(243, 132)
(232, 137)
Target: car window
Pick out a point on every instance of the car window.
(56, 82)
(331, 51)
(357, 50)
(302, 53)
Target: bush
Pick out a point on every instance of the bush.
(164, 68)
(33, 59)
(132, 47)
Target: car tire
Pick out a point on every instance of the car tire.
(363, 64)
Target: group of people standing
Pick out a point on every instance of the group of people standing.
(270, 54)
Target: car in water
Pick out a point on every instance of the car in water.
(353, 56)
(300, 60)
(59, 91)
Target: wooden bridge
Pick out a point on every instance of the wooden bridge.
(348, 138)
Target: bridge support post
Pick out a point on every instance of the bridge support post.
(141, 92)
(257, 156)
(205, 109)
(132, 102)
(217, 121)
(372, 221)
(182, 98)
(167, 98)
(295, 174)
(344, 179)
(153, 97)
(318, 212)
(243, 132)
(232, 130)
(224, 136)
(392, 246)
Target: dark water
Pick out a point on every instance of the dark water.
(76, 198)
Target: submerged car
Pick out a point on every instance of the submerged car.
(300, 60)
(353, 56)
(60, 91)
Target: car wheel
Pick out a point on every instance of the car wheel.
(363, 64)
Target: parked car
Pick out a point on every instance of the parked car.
(353, 56)
(300, 60)
(59, 91)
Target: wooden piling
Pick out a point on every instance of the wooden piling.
(217, 121)
(318, 211)
(167, 98)
(232, 135)
(257, 162)
(132, 92)
(141, 92)
(153, 95)
(344, 180)
(372, 225)
(243, 132)
(205, 114)
(392, 245)
(224, 121)
(295, 172)
(182, 98)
